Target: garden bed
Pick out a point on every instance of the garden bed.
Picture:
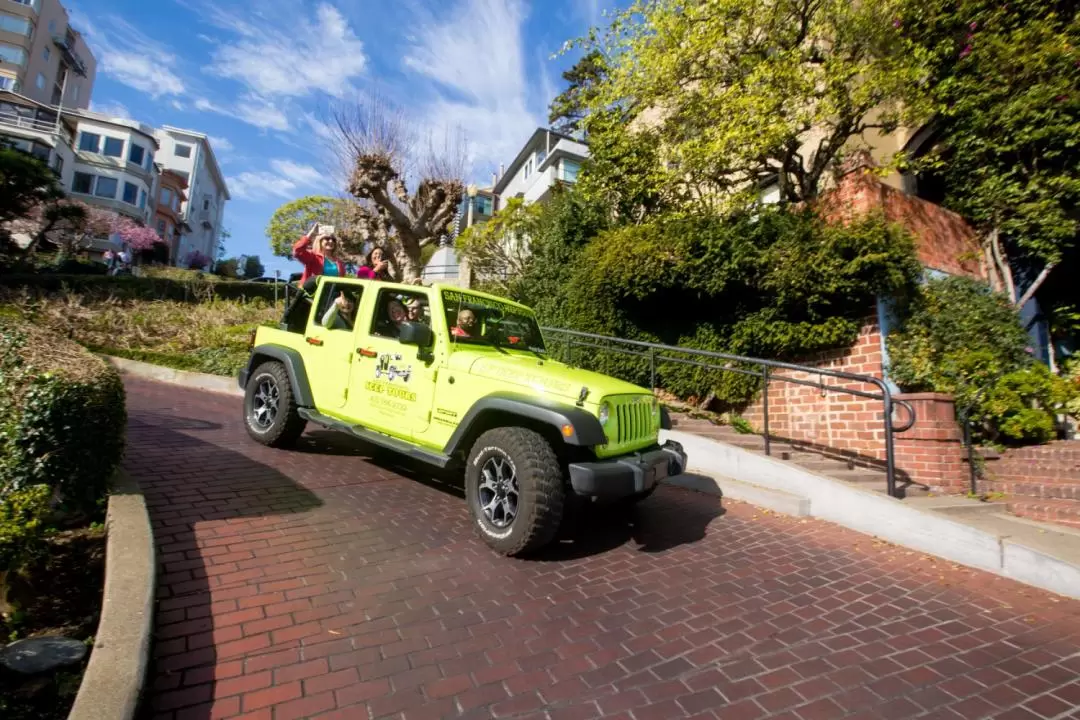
(59, 593)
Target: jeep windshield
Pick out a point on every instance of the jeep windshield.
(476, 320)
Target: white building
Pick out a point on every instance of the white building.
(547, 159)
(34, 128)
(114, 165)
(188, 154)
(42, 56)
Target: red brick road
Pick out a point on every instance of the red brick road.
(318, 583)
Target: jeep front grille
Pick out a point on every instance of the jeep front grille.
(633, 421)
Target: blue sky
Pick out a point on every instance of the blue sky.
(258, 77)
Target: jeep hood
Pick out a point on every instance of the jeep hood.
(550, 377)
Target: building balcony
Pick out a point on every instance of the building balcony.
(66, 45)
(34, 127)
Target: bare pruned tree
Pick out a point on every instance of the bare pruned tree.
(408, 191)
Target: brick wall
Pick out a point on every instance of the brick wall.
(844, 423)
(943, 240)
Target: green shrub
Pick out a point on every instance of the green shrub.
(780, 284)
(187, 286)
(963, 339)
(62, 420)
(23, 515)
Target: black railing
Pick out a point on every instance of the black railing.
(658, 354)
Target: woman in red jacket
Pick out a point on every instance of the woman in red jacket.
(322, 260)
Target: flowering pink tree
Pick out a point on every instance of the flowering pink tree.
(135, 236)
(68, 224)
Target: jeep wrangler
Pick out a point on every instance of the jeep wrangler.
(460, 380)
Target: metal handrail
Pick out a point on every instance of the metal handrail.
(655, 353)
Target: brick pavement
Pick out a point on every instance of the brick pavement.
(318, 583)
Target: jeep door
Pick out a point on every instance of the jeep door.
(393, 385)
(330, 338)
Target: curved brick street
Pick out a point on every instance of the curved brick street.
(322, 583)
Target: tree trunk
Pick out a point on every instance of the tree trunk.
(1030, 292)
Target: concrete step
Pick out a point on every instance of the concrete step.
(1059, 512)
(1033, 488)
(954, 505)
(1056, 541)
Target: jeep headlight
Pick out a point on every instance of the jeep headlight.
(605, 413)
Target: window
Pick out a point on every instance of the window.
(7, 83)
(58, 163)
(83, 183)
(142, 199)
(52, 25)
(161, 228)
(334, 312)
(89, 142)
(482, 321)
(183, 151)
(528, 168)
(17, 25)
(75, 95)
(541, 156)
(206, 203)
(131, 193)
(166, 197)
(106, 187)
(39, 81)
(47, 54)
(12, 54)
(483, 205)
(149, 160)
(114, 147)
(570, 170)
(136, 154)
(395, 307)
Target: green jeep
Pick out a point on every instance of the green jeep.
(456, 379)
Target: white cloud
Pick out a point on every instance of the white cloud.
(220, 144)
(489, 100)
(285, 179)
(112, 109)
(129, 56)
(251, 110)
(289, 55)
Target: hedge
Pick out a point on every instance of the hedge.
(62, 420)
(143, 288)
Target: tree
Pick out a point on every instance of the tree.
(135, 235)
(498, 251)
(569, 108)
(380, 147)
(223, 238)
(227, 268)
(25, 182)
(196, 260)
(744, 93)
(290, 221)
(1002, 83)
(252, 267)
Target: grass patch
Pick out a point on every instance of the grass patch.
(209, 337)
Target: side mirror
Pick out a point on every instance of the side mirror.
(415, 333)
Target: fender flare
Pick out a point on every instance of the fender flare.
(294, 364)
(586, 428)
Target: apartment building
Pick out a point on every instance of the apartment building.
(42, 57)
(188, 154)
(38, 129)
(547, 159)
(114, 164)
(170, 199)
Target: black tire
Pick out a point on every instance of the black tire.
(281, 425)
(540, 489)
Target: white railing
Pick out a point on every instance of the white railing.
(15, 120)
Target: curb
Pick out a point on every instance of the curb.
(113, 682)
(187, 378)
(1035, 563)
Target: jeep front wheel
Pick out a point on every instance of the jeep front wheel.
(514, 488)
(270, 413)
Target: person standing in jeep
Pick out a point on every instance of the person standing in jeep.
(322, 259)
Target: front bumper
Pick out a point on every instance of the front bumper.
(628, 475)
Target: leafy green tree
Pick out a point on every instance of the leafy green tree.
(739, 93)
(290, 221)
(227, 268)
(252, 267)
(569, 107)
(1003, 83)
(25, 182)
(499, 250)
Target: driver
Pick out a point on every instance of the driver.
(466, 324)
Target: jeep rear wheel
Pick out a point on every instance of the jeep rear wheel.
(514, 487)
(270, 413)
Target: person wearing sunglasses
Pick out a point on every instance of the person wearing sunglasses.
(318, 252)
